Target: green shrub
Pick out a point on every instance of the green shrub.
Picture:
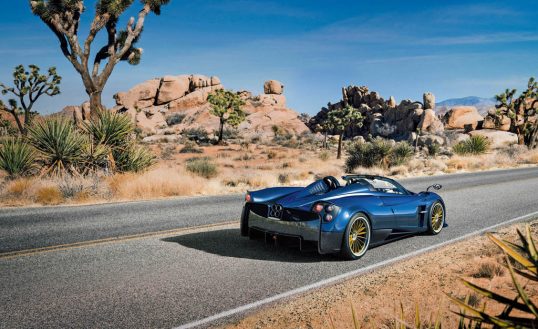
(401, 153)
(324, 155)
(175, 119)
(59, 144)
(16, 157)
(133, 158)
(474, 145)
(370, 154)
(191, 147)
(433, 149)
(198, 135)
(203, 167)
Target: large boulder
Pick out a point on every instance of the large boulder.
(149, 123)
(140, 96)
(273, 87)
(460, 117)
(497, 138)
(172, 87)
(430, 123)
(430, 139)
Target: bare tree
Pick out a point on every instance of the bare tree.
(63, 18)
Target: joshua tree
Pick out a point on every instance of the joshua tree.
(521, 111)
(342, 119)
(226, 105)
(28, 86)
(63, 18)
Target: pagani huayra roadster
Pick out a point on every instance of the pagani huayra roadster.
(367, 211)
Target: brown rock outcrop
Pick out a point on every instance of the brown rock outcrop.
(150, 102)
(273, 87)
(460, 117)
(497, 138)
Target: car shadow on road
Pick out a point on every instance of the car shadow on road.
(229, 243)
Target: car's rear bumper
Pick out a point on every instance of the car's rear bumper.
(328, 242)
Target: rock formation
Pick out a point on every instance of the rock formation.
(150, 103)
(462, 117)
(384, 117)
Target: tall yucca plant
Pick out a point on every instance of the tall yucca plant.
(109, 128)
(16, 157)
(526, 256)
(59, 144)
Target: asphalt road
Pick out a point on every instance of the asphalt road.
(166, 281)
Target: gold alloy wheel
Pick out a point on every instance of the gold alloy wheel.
(438, 215)
(359, 236)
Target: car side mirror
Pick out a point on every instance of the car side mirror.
(434, 186)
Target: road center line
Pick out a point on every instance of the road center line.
(347, 275)
(117, 239)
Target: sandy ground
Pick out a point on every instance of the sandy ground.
(419, 282)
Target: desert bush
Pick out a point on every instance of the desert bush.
(198, 134)
(379, 153)
(94, 157)
(168, 152)
(203, 167)
(16, 157)
(58, 143)
(49, 195)
(518, 312)
(271, 154)
(433, 149)
(283, 178)
(191, 147)
(488, 270)
(474, 145)
(401, 153)
(77, 186)
(324, 155)
(133, 157)
(175, 119)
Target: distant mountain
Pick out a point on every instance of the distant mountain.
(481, 103)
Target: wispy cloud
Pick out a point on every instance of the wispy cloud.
(262, 8)
(476, 39)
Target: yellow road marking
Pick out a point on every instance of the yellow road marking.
(33, 251)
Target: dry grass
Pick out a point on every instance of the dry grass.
(49, 195)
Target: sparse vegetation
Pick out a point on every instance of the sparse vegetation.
(519, 312)
(191, 147)
(475, 145)
(378, 152)
(133, 158)
(175, 119)
(203, 167)
(488, 270)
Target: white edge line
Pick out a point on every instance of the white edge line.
(343, 276)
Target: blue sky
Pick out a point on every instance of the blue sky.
(399, 48)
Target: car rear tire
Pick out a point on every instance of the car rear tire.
(436, 218)
(356, 237)
(244, 220)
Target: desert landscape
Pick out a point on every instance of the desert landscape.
(130, 177)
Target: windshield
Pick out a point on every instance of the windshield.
(378, 184)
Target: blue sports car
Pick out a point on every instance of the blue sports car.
(367, 211)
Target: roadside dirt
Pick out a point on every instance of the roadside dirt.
(421, 282)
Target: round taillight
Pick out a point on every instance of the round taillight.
(247, 197)
(318, 208)
(328, 217)
(329, 208)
